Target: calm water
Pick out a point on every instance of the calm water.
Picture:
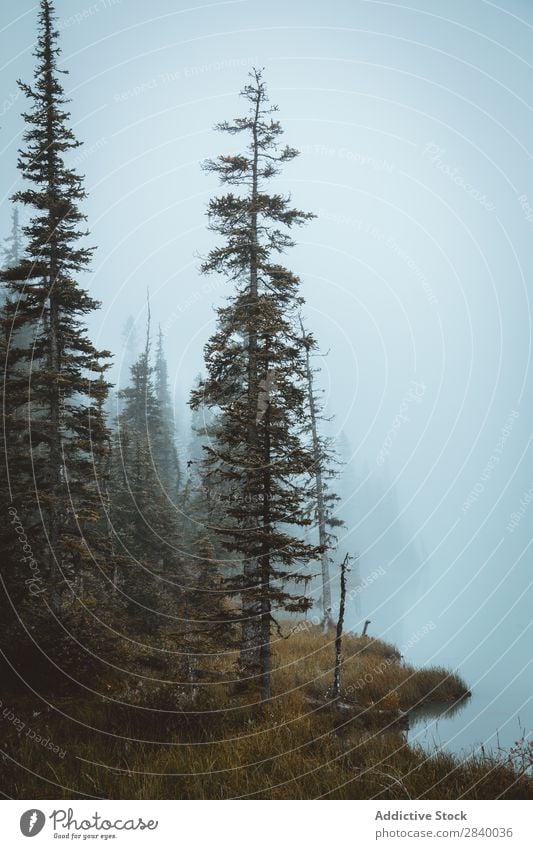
(484, 636)
(499, 712)
(488, 720)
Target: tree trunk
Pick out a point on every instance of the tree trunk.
(266, 649)
(54, 510)
(54, 350)
(251, 631)
(327, 619)
(336, 689)
(251, 659)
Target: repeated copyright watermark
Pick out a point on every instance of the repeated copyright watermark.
(35, 580)
(186, 73)
(435, 154)
(389, 242)
(9, 716)
(387, 662)
(493, 461)
(85, 14)
(413, 396)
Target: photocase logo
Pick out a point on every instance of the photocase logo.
(32, 822)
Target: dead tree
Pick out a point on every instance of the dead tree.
(320, 458)
(336, 689)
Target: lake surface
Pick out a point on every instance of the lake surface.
(492, 651)
(485, 720)
(499, 712)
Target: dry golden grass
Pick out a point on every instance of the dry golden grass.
(298, 746)
(372, 672)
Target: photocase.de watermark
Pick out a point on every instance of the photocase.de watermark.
(479, 488)
(369, 677)
(413, 396)
(85, 14)
(190, 301)
(365, 582)
(518, 515)
(35, 582)
(87, 152)
(8, 103)
(435, 154)
(348, 155)
(186, 73)
(389, 242)
(527, 209)
(9, 715)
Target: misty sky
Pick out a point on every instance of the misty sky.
(415, 125)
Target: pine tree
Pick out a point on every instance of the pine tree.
(164, 449)
(54, 429)
(325, 465)
(130, 343)
(199, 503)
(12, 249)
(208, 614)
(201, 420)
(351, 505)
(130, 349)
(143, 517)
(256, 384)
(12, 252)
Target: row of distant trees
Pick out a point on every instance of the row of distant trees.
(120, 539)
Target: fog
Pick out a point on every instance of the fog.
(415, 126)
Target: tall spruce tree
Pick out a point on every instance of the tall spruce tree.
(199, 502)
(143, 517)
(11, 250)
(255, 382)
(201, 419)
(325, 464)
(164, 448)
(54, 431)
(131, 344)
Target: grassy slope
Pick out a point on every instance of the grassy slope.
(299, 746)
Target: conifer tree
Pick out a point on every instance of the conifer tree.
(324, 469)
(199, 502)
(256, 384)
(201, 419)
(130, 348)
(164, 448)
(130, 344)
(143, 517)
(208, 615)
(54, 432)
(12, 249)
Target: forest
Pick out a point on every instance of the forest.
(172, 602)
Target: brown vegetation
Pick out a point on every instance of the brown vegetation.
(301, 745)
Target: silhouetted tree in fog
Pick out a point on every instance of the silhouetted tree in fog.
(255, 382)
(55, 431)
